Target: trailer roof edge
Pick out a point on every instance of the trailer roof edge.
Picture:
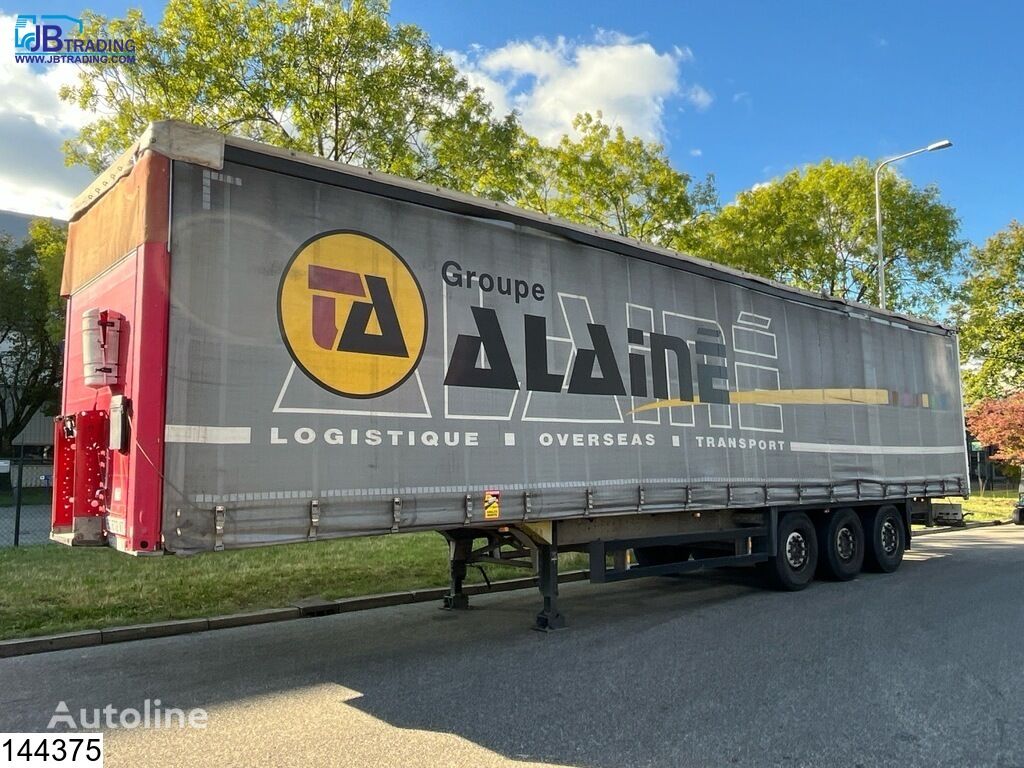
(172, 139)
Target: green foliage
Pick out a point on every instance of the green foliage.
(604, 179)
(999, 422)
(484, 157)
(31, 326)
(990, 314)
(49, 240)
(815, 228)
(334, 79)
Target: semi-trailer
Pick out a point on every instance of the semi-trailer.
(266, 347)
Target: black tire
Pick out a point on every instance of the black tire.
(793, 566)
(885, 540)
(661, 555)
(841, 542)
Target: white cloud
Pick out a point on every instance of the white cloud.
(684, 53)
(33, 200)
(34, 122)
(494, 90)
(549, 82)
(696, 152)
(699, 97)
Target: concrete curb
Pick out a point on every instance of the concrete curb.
(254, 617)
(308, 608)
(965, 527)
(157, 629)
(48, 643)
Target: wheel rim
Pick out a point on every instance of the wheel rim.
(796, 550)
(846, 544)
(890, 538)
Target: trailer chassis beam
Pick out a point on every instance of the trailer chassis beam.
(752, 544)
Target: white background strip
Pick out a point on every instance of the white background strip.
(876, 449)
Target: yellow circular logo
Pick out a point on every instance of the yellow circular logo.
(352, 314)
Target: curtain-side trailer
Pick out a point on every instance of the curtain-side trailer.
(266, 347)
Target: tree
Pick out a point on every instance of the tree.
(604, 179)
(990, 315)
(1000, 422)
(31, 326)
(335, 79)
(815, 228)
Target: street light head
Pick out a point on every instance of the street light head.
(944, 144)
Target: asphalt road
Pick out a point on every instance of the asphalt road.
(923, 667)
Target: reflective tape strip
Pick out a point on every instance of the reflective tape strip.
(188, 433)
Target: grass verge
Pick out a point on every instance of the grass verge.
(50, 588)
(28, 496)
(994, 505)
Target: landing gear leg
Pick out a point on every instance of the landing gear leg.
(549, 619)
(459, 551)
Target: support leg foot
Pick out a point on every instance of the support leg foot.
(458, 601)
(549, 622)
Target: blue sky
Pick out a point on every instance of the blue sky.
(745, 90)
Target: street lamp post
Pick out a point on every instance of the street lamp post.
(878, 208)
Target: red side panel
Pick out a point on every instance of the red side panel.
(148, 364)
(136, 287)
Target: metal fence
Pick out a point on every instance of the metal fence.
(25, 495)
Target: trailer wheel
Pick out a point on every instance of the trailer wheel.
(793, 566)
(841, 538)
(661, 555)
(885, 541)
